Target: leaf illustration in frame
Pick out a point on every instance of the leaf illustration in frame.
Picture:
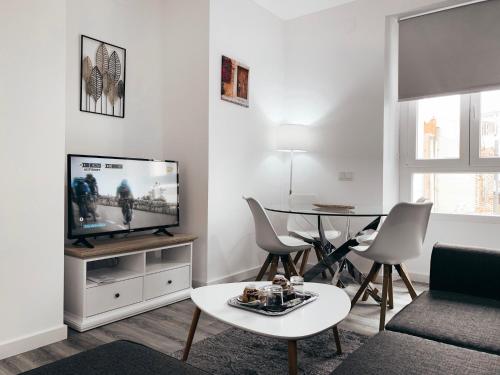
(114, 67)
(95, 85)
(107, 84)
(120, 92)
(86, 70)
(88, 92)
(102, 58)
(112, 95)
(87, 87)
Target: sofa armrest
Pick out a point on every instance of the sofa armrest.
(468, 270)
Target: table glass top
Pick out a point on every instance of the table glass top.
(331, 210)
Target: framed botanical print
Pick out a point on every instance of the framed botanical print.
(102, 77)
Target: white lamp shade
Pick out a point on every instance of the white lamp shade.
(292, 138)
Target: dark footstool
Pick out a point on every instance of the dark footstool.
(118, 358)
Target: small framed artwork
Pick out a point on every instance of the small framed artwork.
(234, 81)
(102, 77)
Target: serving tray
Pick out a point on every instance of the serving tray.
(262, 311)
(334, 206)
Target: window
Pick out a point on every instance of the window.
(459, 193)
(438, 128)
(450, 149)
(489, 125)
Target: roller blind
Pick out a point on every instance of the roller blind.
(451, 51)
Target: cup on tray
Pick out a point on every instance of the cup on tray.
(273, 297)
(297, 283)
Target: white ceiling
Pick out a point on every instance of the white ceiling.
(289, 9)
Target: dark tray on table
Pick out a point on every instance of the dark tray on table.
(310, 297)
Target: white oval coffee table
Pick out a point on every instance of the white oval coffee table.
(326, 312)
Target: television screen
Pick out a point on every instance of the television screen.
(108, 195)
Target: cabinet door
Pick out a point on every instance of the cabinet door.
(113, 296)
(161, 283)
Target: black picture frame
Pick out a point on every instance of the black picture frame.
(86, 107)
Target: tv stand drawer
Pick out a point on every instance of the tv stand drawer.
(113, 296)
(161, 283)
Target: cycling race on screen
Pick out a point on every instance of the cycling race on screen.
(110, 195)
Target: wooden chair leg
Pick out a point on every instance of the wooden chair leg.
(390, 292)
(337, 340)
(264, 267)
(297, 257)
(305, 257)
(284, 261)
(373, 270)
(385, 287)
(291, 267)
(274, 267)
(406, 279)
(366, 295)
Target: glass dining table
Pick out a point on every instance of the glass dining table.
(332, 258)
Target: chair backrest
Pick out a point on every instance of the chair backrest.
(265, 235)
(301, 222)
(402, 235)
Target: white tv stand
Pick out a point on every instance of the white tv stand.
(119, 278)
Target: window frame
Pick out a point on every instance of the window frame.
(468, 162)
(475, 136)
(411, 136)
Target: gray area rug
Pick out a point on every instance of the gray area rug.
(237, 352)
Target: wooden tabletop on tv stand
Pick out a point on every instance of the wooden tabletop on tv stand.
(103, 247)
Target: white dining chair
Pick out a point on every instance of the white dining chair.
(305, 227)
(278, 247)
(399, 239)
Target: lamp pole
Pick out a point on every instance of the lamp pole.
(291, 172)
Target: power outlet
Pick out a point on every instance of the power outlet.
(346, 176)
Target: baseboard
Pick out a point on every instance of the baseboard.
(234, 277)
(419, 277)
(29, 342)
(197, 283)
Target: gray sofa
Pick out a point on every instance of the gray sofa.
(454, 328)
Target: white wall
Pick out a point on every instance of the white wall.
(337, 64)
(32, 102)
(242, 159)
(167, 95)
(335, 77)
(185, 135)
(136, 26)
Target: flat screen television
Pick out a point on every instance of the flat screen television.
(111, 195)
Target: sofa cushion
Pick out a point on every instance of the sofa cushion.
(396, 353)
(118, 357)
(466, 269)
(452, 318)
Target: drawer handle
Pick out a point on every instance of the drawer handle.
(169, 282)
(117, 295)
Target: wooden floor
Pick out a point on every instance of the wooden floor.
(166, 329)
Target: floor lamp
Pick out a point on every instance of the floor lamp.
(292, 138)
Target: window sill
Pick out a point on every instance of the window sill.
(472, 218)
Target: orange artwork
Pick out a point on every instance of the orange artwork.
(234, 81)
